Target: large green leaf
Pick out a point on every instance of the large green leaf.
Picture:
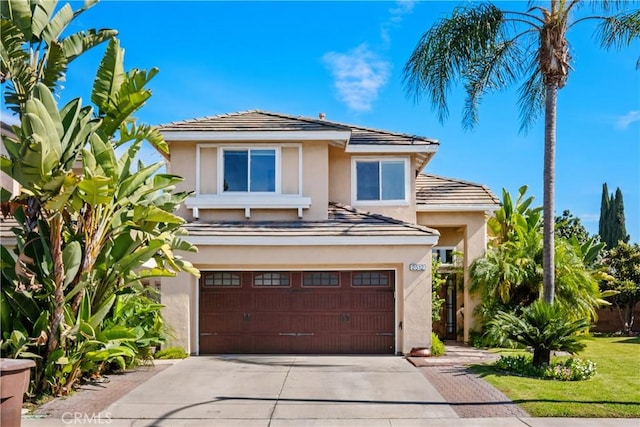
(109, 78)
(131, 184)
(96, 190)
(96, 319)
(78, 43)
(154, 214)
(55, 66)
(41, 11)
(130, 97)
(60, 21)
(72, 259)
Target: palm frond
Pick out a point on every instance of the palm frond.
(448, 48)
(497, 69)
(619, 30)
(532, 94)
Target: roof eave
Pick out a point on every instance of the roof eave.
(289, 240)
(455, 207)
(391, 148)
(325, 135)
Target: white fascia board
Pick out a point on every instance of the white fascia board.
(257, 240)
(457, 208)
(243, 201)
(325, 135)
(388, 148)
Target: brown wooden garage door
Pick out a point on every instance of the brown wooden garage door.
(320, 312)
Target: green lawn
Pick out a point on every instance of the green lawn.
(613, 392)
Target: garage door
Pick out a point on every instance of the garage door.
(319, 312)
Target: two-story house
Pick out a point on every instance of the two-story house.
(317, 237)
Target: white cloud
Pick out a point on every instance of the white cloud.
(359, 74)
(625, 121)
(396, 13)
(9, 118)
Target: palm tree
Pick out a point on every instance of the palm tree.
(491, 49)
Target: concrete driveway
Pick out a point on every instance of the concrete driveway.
(283, 391)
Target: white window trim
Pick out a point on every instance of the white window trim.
(247, 199)
(220, 171)
(354, 182)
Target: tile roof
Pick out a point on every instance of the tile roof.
(433, 190)
(343, 221)
(256, 120)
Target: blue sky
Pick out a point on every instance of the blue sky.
(346, 59)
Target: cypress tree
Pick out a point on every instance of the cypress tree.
(604, 215)
(612, 228)
(619, 226)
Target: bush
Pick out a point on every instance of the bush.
(437, 347)
(171, 353)
(572, 369)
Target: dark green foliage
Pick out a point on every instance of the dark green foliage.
(541, 326)
(623, 263)
(437, 280)
(569, 226)
(612, 227)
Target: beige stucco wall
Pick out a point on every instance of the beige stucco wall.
(315, 169)
(413, 289)
(183, 163)
(472, 226)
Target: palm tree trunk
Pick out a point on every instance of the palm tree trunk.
(549, 176)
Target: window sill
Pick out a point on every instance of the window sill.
(248, 202)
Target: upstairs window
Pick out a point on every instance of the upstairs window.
(249, 170)
(381, 180)
(446, 255)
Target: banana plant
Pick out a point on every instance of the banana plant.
(84, 238)
(33, 49)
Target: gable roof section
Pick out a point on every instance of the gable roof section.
(256, 125)
(344, 226)
(438, 193)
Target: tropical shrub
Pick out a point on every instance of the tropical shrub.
(437, 347)
(572, 369)
(541, 326)
(509, 276)
(72, 296)
(436, 284)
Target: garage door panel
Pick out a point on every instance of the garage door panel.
(316, 322)
(362, 322)
(223, 323)
(371, 343)
(262, 322)
(270, 300)
(216, 302)
(248, 312)
(227, 343)
(372, 300)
